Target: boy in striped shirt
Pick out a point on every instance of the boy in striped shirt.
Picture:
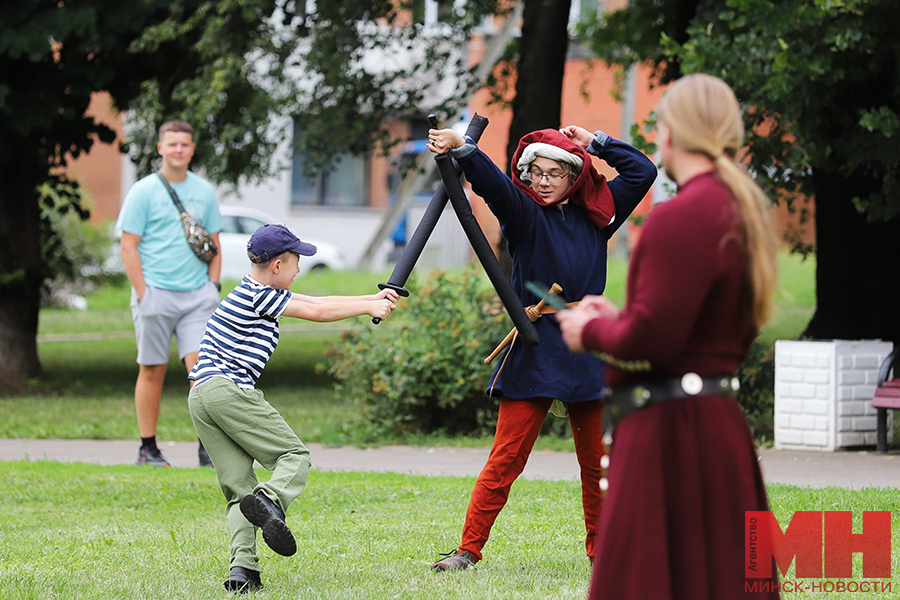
(233, 419)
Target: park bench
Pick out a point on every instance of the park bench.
(887, 396)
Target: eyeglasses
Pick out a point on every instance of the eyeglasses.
(552, 178)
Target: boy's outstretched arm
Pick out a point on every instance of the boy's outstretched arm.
(385, 293)
(328, 309)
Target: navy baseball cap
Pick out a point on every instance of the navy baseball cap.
(271, 240)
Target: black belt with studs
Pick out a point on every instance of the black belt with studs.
(619, 402)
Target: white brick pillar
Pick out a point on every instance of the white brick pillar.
(823, 393)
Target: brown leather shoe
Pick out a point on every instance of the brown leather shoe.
(455, 561)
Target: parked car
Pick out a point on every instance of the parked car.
(239, 223)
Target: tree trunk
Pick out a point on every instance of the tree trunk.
(20, 269)
(540, 69)
(857, 285)
(539, 78)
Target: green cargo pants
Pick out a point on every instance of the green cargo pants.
(238, 426)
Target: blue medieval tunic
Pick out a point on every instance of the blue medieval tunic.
(556, 244)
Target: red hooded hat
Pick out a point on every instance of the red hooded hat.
(589, 190)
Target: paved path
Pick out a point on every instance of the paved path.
(854, 470)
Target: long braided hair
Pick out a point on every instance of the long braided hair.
(703, 115)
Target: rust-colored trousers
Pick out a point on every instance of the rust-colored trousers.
(518, 426)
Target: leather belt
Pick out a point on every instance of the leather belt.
(621, 401)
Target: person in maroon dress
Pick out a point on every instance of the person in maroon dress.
(682, 468)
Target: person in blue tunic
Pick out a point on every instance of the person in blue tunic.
(557, 214)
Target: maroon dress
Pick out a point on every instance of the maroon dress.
(681, 473)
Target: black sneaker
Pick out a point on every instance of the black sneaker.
(203, 456)
(241, 580)
(151, 456)
(268, 516)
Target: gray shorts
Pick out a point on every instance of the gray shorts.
(164, 313)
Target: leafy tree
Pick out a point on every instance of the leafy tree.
(821, 85)
(236, 69)
(53, 55)
(343, 70)
(189, 58)
(372, 62)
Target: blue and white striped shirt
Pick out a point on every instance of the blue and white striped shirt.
(242, 333)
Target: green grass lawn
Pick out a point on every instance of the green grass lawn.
(86, 531)
(82, 531)
(108, 533)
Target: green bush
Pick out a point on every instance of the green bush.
(425, 371)
(757, 393)
(74, 251)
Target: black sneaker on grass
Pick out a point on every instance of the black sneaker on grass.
(269, 517)
(241, 580)
(152, 457)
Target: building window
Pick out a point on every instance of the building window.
(429, 12)
(344, 185)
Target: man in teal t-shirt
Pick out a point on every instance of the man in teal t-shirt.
(173, 292)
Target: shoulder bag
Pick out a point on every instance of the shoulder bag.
(198, 237)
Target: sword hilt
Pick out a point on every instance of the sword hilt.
(400, 290)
